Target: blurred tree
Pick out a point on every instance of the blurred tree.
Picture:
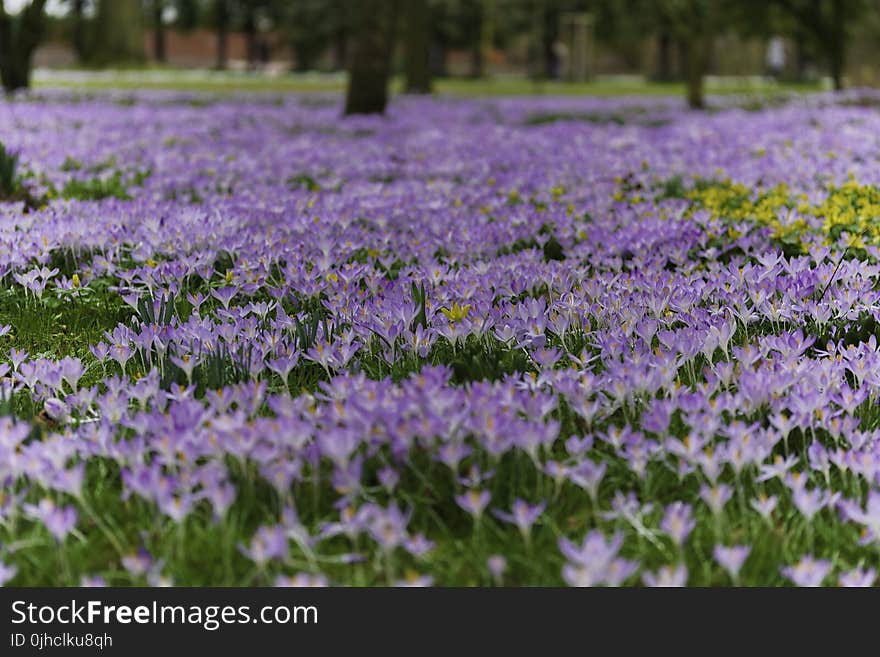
(622, 25)
(255, 18)
(417, 25)
(340, 34)
(119, 32)
(827, 23)
(156, 9)
(249, 27)
(373, 36)
(79, 29)
(19, 37)
(189, 14)
(694, 23)
(220, 20)
(487, 36)
(310, 26)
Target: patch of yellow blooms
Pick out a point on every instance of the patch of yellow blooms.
(456, 313)
(850, 208)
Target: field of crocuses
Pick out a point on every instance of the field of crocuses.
(245, 341)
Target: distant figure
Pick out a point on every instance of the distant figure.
(776, 56)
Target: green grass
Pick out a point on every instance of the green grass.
(499, 86)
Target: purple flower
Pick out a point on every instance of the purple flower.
(224, 295)
(595, 561)
(732, 558)
(869, 516)
(418, 545)
(678, 522)
(301, 580)
(588, 475)
(92, 582)
(523, 515)
(7, 572)
(765, 505)
(268, 543)
(17, 357)
(187, 363)
(858, 578)
(414, 580)
(667, 576)
(388, 477)
(59, 521)
(138, 564)
(810, 502)
(497, 566)
(56, 409)
(474, 502)
(386, 526)
(808, 572)
(716, 497)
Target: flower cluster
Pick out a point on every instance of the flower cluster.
(457, 345)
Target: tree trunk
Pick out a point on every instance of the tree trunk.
(417, 20)
(487, 35)
(16, 72)
(340, 50)
(159, 31)
(836, 43)
(664, 57)
(800, 58)
(19, 37)
(549, 35)
(836, 65)
(250, 37)
(537, 68)
(694, 25)
(221, 16)
(696, 69)
(79, 30)
(371, 57)
(437, 60)
(120, 29)
(477, 60)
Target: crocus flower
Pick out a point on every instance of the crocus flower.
(667, 576)
(731, 558)
(497, 566)
(58, 520)
(809, 571)
(716, 497)
(764, 505)
(858, 578)
(678, 522)
(474, 502)
(7, 572)
(268, 543)
(595, 561)
(302, 580)
(523, 515)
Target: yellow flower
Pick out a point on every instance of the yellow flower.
(456, 313)
(855, 242)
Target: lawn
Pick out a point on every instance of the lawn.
(502, 85)
(561, 340)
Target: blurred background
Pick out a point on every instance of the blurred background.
(478, 46)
